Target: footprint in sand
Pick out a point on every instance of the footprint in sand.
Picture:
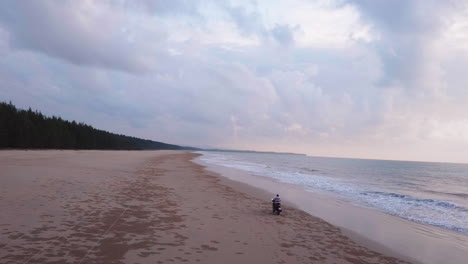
(215, 216)
(207, 247)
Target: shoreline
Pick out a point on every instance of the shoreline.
(152, 207)
(387, 234)
(266, 195)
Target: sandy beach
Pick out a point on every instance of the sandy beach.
(151, 207)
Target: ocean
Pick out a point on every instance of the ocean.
(434, 194)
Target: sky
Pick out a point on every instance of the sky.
(344, 78)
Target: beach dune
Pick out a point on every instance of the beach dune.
(151, 207)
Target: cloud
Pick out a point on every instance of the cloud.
(248, 21)
(402, 16)
(284, 34)
(407, 34)
(85, 33)
(341, 78)
(167, 8)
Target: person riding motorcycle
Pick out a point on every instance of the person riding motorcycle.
(275, 201)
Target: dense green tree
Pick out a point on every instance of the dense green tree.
(32, 130)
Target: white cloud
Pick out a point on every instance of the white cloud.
(357, 78)
(84, 33)
(321, 23)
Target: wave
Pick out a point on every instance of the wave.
(432, 202)
(461, 195)
(445, 214)
(434, 212)
(309, 170)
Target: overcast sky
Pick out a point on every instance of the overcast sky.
(364, 78)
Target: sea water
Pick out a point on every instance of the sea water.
(428, 193)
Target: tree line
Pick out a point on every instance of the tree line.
(27, 129)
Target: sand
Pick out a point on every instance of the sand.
(151, 207)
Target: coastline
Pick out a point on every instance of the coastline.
(387, 234)
(152, 207)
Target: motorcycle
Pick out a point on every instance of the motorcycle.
(276, 207)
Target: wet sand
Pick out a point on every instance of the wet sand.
(387, 234)
(151, 207)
